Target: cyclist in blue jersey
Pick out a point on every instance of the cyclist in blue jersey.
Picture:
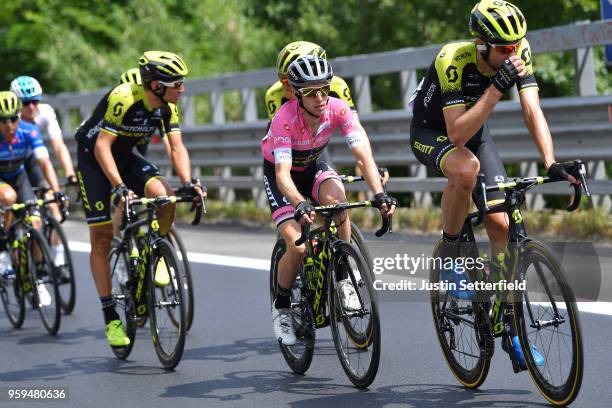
(17, 139)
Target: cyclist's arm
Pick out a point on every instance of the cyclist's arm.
(47, 169)
(63, 155)
(179, 156)
(537, 125)
(104, 156)
(367, 166)
(286, 185)
(360, 127)
(462, 124)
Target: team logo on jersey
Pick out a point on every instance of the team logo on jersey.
(342, 111)
(99, 205)
(451, 74)
(526, 56)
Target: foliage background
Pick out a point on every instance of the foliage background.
(74, 45)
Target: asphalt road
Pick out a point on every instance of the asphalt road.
(231, 358)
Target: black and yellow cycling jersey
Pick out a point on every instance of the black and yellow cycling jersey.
(125, 112)
(454, 79)
(274, 95)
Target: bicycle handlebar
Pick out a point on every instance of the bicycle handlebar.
(305, 228)
(481, 189)
(150, 203)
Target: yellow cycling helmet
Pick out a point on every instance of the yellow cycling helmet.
(162, 66)
(10, 105)
(497, 22)
(294, 50)
(131, 75)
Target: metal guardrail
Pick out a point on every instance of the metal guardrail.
(580, 125)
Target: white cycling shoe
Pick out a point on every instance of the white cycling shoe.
(283, 325)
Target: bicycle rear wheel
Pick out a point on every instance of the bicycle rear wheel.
(119, 266)
(298, 356)
(176, 240)
(547, 318)
(360, 363)
(464, 332)
(166, 306)
(11, 292)
(65, 271)
(43, 276)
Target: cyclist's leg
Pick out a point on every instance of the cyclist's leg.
(8, 196)
(492, 167)
(328, 189)
(95, 192)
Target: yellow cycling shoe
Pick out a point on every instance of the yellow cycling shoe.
(162, 277)
(115, 335)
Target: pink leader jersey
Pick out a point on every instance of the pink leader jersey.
(289, 141)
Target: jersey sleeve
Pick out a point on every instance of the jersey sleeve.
(340, 90)
(170, 120)
(49, 123)
(36, 144)
(119, 100)
(449, 72)
(344, 119)
(529, 80)
(280, 137)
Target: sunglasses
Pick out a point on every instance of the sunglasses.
(11, 119)
(315, 91)
(26, 103)
(505, 49)
(176, 84)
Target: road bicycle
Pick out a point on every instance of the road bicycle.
(135, 260)
(542, 316)
(34, 272)
(316, 302)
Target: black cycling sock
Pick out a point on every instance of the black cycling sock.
(283, 298)
(450, 247)
(108, 308)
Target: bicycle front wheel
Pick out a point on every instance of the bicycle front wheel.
(56, 238)
(298, 356)
(176, 240)
(464, 331)
(166, 305)
(43, 277)
(11, 292)
(119, 266)
(546, 318)
(359, 361)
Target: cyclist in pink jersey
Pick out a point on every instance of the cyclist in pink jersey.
(295, 171)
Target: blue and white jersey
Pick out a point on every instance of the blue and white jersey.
(12, 154)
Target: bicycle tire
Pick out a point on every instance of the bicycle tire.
(298, 356)
(13, 299)
(342, 253)
(169, 297)
(361, 339)
(65, 271)
(43, 276)
(475, 374)
(123, 297)
(177, 241)
(531, 304)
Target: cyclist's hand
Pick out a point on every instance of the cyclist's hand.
(384, 175)
(305, 212)
(118, 194)
(386, 204)
(511, 69)
(560, 171)
(71, 180)
(60, 197)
